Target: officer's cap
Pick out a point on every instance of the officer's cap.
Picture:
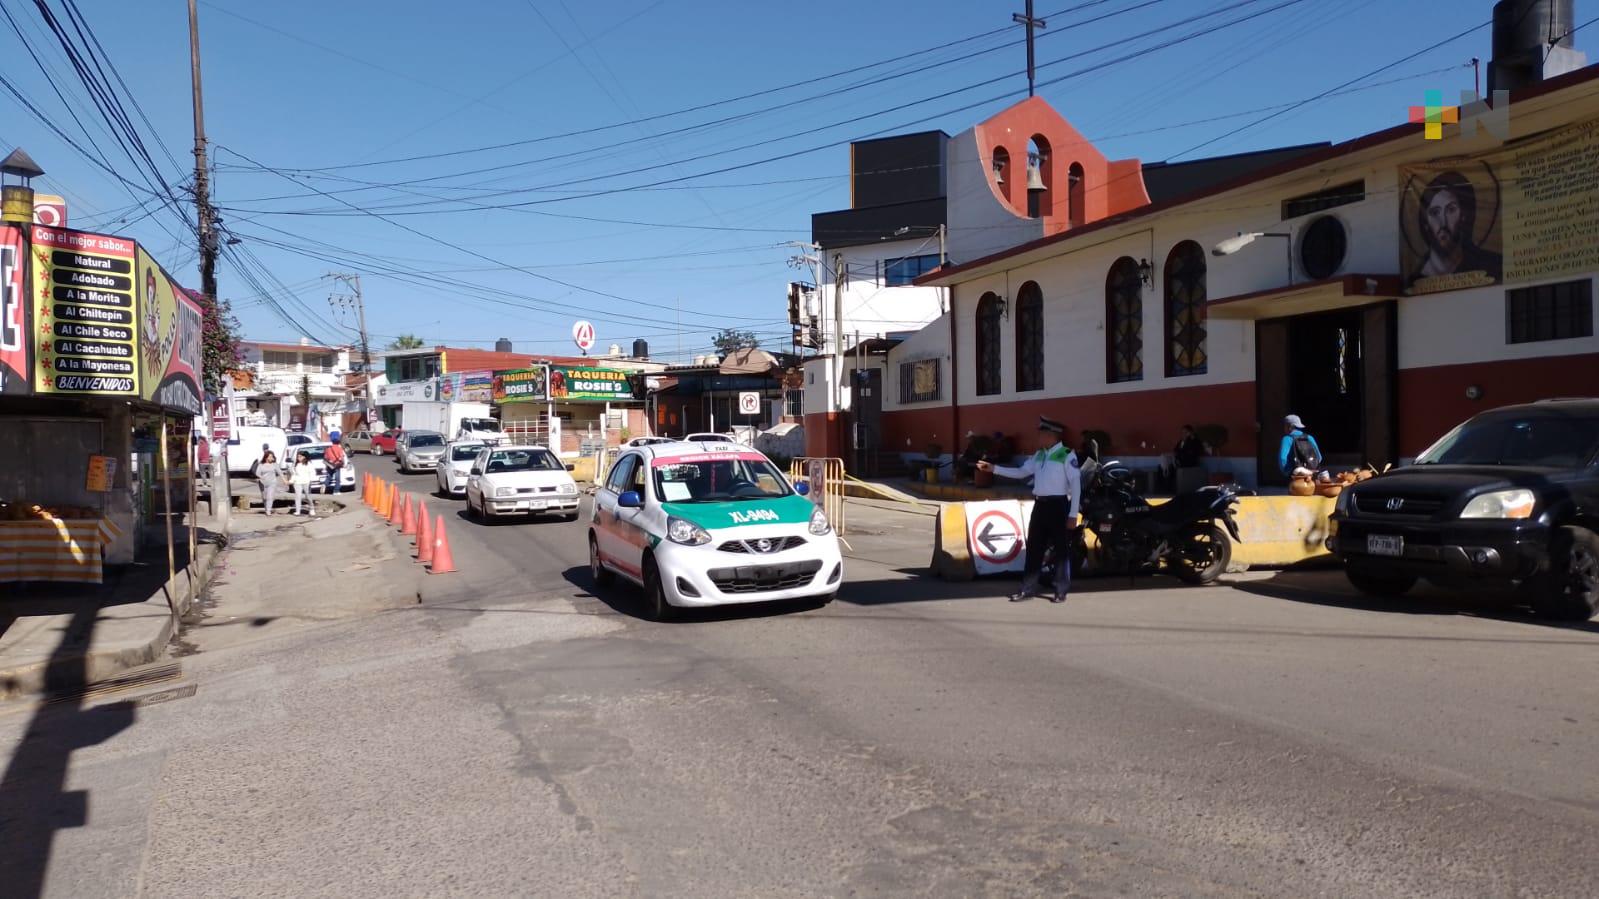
(1050, 425)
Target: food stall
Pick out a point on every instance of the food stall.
(96, 407)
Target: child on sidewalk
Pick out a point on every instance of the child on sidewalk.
(301, 479)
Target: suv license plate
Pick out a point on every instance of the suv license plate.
(1385, 545)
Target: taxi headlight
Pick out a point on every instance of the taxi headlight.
(505, 491)
(819, 525)
(569, 487)
(1501, 504)
(681, 530)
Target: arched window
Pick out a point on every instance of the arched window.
(1004, 178)
(1124, 322)
(1029, 337)
(1185, 310)
(988, 345)
(1075, 196)
(1040, 200)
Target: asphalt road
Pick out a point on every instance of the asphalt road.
(519, 734)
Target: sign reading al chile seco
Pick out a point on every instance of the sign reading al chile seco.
(83, 288)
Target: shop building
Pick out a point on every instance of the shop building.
(1383, 289)
(279, 371)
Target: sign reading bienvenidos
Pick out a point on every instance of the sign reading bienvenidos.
(86, 322)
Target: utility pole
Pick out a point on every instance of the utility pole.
(206, 233)
(837, 362)
(354, 299)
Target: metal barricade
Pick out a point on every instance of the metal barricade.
(825, 475)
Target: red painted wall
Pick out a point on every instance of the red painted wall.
(1433, 400)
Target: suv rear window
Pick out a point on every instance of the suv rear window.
(1549, 441)
(425, 440)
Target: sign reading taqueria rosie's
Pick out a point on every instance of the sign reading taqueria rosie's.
(85, 316)
(1527, 211)
(569, 382)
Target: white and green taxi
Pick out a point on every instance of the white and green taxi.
(706, 524)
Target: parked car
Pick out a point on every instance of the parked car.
(1509, 498)
(419, 450)
(358, 441)
(316, 452)
(387, 442)
(705, 525)
(520, 480)
(453, 469)
(647, 441)
(300, 439)
(482, 430)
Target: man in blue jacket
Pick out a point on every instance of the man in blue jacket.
(1298, 449)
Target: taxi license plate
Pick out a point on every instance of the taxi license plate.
(1385, 545)
(537, 504)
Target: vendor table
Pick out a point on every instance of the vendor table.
(54, 549)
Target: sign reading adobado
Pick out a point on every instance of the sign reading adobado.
(995, 534)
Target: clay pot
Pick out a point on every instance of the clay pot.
(1301, 487)
(1329, 489)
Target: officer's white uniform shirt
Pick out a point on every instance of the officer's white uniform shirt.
(1054, 471)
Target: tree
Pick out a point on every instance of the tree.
(305, 392)
(406, 342)
(219, 340)
(730, 340)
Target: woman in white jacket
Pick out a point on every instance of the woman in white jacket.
(301, 479)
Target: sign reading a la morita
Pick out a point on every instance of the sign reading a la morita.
(84, 291)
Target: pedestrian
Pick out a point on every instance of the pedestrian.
(1057, 489)
(303, 475)
(267, 476)
(333, 461)
(1298, 448)
(1189, 457)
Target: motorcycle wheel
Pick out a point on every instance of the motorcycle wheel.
(1202, 555)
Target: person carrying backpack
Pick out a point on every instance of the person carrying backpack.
(1298, 449)
(333, 460)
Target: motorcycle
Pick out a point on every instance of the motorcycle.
(1134, 537)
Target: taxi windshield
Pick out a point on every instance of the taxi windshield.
(465, 452)
(719, 481)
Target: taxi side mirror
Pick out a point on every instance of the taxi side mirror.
(802, 488)
(476, 470)
(571, 467)
(630, 500)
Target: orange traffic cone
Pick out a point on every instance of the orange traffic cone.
(380, 502)
(408, 518)
(366, 488)
(443, 561)
(424, 536)
(394, 504)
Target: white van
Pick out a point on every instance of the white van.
(244, 447)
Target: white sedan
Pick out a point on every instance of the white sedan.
(456, 465)
(520, 480)
(316, 451)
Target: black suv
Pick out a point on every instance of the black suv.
(1510, 498)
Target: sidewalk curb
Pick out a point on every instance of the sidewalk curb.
(101, 664)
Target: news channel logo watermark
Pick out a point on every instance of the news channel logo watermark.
(1471, 115)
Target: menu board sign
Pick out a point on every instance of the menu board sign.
(169, 344)
(83, 287)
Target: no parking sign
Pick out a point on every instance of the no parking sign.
(996, 536)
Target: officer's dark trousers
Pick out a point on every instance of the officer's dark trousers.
(1047, 529)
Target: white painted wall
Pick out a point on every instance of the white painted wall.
(932, 342)
(1469, 326)
(872, 309)
(980, 224)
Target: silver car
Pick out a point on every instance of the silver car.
(420, 451)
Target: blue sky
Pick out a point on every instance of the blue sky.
(345, 89)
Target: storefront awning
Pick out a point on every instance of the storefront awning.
(1312, 296)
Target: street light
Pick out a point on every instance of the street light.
(1232, 245)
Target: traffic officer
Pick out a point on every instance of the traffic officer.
(1057, 493)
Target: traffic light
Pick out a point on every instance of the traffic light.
(793, 303)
